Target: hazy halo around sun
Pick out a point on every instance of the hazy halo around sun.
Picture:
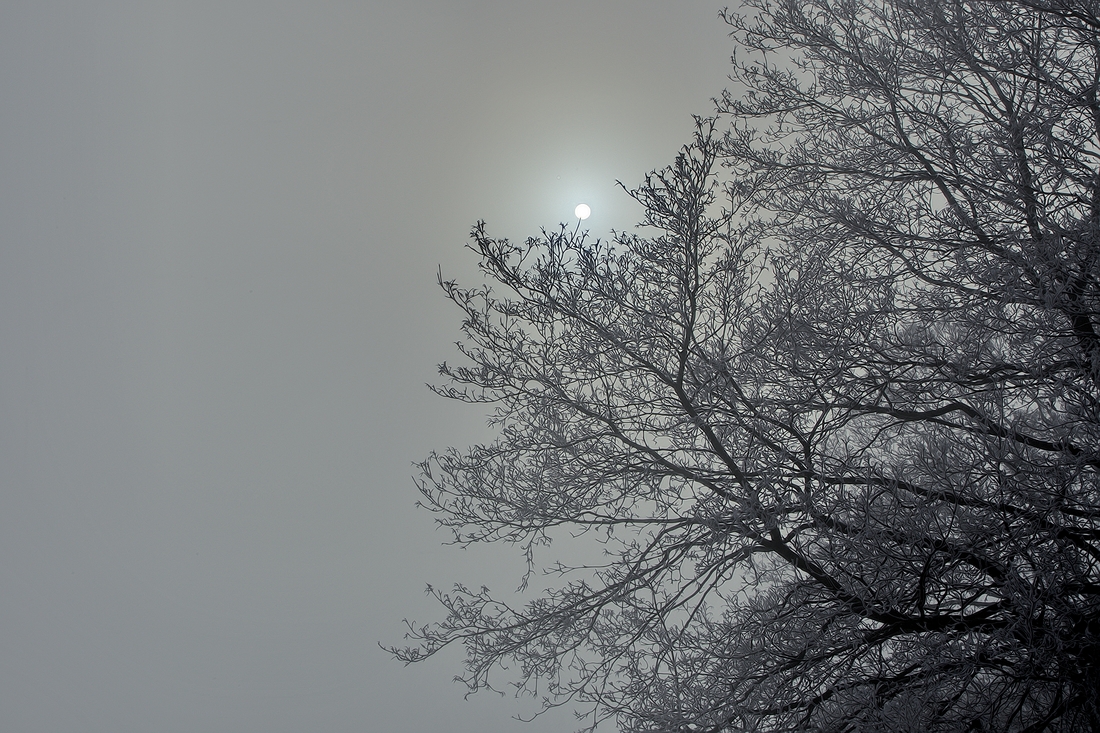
(583, 211)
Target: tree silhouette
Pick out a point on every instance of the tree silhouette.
(833, 411)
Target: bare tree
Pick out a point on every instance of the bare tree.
(834, 416)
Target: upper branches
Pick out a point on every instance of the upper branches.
(833, 411)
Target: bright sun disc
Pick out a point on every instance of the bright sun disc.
(582, 211)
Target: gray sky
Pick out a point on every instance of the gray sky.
(220, 225)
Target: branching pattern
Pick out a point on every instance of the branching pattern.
(835, 417)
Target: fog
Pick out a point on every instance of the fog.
(221, 228)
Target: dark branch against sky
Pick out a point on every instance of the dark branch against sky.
(221, 225)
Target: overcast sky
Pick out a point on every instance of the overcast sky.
(220, 225)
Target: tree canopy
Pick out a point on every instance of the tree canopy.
(832, 411)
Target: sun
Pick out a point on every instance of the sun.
(583, 211)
